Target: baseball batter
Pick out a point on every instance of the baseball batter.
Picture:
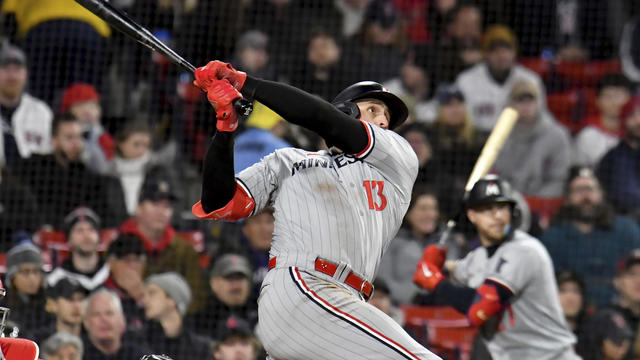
(508, 285)
(336, 212)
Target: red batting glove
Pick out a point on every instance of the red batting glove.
(435, 255)
(221, 96)
(218, 70)
(427, 275)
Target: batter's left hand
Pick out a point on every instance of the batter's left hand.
(221, 96)
(218, 70)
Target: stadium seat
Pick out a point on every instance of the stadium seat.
(580, 74)
(545, 208)
(444, 330)
(538, 65)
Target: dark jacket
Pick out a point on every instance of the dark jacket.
(185, 346)
(619, 174)
(129, 350)
(206, 322)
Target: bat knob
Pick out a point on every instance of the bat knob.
(243, 107)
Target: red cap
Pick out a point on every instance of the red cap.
(627, 110)
(77, 93)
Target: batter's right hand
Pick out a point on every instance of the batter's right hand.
(218, 70)
(427, 275)
(435, 255)
(221, 96)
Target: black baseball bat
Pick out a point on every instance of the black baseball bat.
(123, 23)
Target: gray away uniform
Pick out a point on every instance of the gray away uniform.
(533, 325)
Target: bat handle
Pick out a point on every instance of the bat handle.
(242, 106)
(446, 233)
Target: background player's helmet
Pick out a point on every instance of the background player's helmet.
(491, 189)
(488, 190)
(346, 101)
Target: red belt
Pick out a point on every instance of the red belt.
(364, 287)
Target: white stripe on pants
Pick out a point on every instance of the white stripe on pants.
(306, 317)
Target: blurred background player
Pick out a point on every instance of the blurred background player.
(507, 285)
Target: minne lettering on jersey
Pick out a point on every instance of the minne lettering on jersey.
(340, 161)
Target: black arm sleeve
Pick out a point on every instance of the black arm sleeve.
(459, 297)
(311, 112)
(218, 178)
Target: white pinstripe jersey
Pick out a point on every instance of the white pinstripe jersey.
(340, 207)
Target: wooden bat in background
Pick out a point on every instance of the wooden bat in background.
(119, 20)
(487, 157)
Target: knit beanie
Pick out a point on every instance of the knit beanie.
(23, 253)
(175, 286)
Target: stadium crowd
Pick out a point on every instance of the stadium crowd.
(102, 143)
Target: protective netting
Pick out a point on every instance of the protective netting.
(103, 142)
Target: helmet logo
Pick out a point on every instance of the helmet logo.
(492, 189)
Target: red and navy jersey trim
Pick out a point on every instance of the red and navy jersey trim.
(370, 144)
(358, 324)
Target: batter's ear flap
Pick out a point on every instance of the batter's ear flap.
(350, 108)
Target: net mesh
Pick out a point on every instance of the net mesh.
(99, 130)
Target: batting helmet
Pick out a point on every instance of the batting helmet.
(346, 101)
(488, 190)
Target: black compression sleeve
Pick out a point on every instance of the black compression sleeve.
(218, 178)
(309, 111)
(459, 297)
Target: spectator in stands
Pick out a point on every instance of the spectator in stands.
(25, 121)
(572, 296)
(353, 15)
(414, 85)
(487, 85)
(252, 55)
(66, 301)
(105, 326)
(62, 346)
(417, 136)
(83, 101)
(166, 298)
(63, 46)
(255, 242)
(235, 341)
(263, 135)
(230, 283)
(586, 236)
(19, 209)
(603, 131)
(459, 47)
(127, 260)
(630, 49)
(377, 53)
(381, 299)
(166, 250)
(25, 286)
(324, 71)
(615, 327)
(619, 169)
(457, 144)
(70, 184)
(439, 14)
(420, 228)
(86, 265)
(133, 161)
(537, 154)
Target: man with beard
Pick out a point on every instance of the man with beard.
(486, 86)
(70, 184)
(24, 120)
(586, 236)
(618, 170)
(85, 264)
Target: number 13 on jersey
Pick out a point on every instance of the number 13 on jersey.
(378, 201)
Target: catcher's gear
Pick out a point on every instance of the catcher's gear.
(346, 101)
(218, 70)
(155, 357)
